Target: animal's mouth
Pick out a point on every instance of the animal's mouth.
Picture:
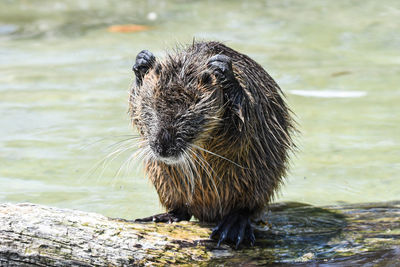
(168, 153)
(171, 160)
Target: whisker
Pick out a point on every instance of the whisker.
(215, 154)
(189, 170)
(83, 147)
(113, 155)
(201, 161)
(132, 138)
(110, 157)
(139, 154)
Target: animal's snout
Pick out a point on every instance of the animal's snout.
(165, 144)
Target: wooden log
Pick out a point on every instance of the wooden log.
(35, 235)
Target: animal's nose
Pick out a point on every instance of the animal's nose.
(164, 145)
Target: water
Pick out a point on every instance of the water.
(64, 83)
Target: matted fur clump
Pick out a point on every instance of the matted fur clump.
(216, 135)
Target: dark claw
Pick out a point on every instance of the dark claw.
(222, 238)
(218, 228)
(168, 217)
(214, 232)
(242, 229)
(163, 217)
(234, 228)
(225, 233)
(252, 238)
(146, 219)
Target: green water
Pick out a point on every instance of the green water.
(64, 83)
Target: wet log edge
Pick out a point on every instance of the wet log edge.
(36, 235)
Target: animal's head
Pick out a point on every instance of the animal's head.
(175, 105)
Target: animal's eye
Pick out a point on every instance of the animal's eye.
(205, 78)
(157, 69)
(197, 100)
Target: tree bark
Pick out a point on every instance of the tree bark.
(34, 235)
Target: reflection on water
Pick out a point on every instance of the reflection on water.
(328, 93)
(64, 80)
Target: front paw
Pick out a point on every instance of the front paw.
(168, 217)
(221, 67)
(235, 228)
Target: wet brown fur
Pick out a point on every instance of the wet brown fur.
(257, 137)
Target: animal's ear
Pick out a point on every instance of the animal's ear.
(237, 100)
(221, 67)
(145, 60)
(205, 78)
(158, 68)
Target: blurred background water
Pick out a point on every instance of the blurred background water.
(64, 80)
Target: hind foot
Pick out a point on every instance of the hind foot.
(234, 228)
(144, 61)
(168, 217)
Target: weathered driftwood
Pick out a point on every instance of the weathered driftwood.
(299, 234)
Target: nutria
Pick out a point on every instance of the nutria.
(216, 134)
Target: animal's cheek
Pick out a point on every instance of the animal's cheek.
(138, 127)
(141, 130)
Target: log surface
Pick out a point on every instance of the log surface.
(35, 235)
